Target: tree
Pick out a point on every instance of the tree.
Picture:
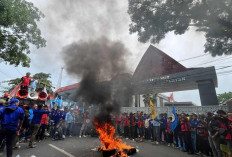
(224, 97)
(153, 19)
(44, 81)
(18, 29)
(148, 97)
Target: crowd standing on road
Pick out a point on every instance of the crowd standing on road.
(194, 134)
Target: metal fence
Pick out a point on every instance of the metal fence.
(179, 109)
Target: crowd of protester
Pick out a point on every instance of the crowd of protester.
(34, 124)
(194, 134)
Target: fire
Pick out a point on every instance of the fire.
(109, 140)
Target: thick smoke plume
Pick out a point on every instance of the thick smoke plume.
(96, 62)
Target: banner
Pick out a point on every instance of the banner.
(153, 111)
(14, 91)
(174, 122)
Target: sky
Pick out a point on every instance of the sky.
(68, 21)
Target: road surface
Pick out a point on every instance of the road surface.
(81, 147)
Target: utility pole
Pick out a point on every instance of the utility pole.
(60, 79)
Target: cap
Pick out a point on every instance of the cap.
(13, 101)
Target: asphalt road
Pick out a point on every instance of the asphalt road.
(76, 147)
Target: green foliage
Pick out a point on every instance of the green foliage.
(18, 29)
(153, 19)
(148, 97)
(43, 79)
(224, 97)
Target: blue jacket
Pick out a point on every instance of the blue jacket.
(37, 115)
(194, 123)
(57, 116)
(70, 117)
(31, 114)
(10, 117)
(164, 124)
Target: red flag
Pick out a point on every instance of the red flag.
(14, 91)
(171, 98)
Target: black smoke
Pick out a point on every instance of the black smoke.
(97, 62)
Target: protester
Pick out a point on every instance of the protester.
(85, 123)
(26, 80)
(185, 129)
(126, 123)
(24, 132)
(11, 121)
(35, 106)
(33, 83)
(141, 127)
(156, 130)
(132, 126)
(169, 133)
(178, 134)
(202, 139)
(224, 129)
(35, 124)
(70, 119)
(43, 126)
(163, 126)
(147, 128)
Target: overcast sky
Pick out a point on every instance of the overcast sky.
(68, 21)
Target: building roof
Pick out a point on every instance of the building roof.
(156, 63)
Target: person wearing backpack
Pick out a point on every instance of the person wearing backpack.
(11, 121)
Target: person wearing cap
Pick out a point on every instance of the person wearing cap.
(11, 121)
(70, 119)
(35, 123)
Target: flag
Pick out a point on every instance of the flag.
(51, 105)
(174, 119)
(14, 91)
(153, 111)
(171, 98)
(61, 103)
(83, 108)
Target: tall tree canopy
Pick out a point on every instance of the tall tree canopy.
(224, 97)
(153, 19)
(43, 79)
(18, 29)
(148, 97)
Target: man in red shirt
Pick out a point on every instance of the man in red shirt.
(26, 81)
(185, 129)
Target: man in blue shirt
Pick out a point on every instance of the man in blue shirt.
(156, 129)
(11, 121)
(70, 119)
(35, 123)
(35, 106)
(163, 126)
(34, 83)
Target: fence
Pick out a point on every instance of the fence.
(179, 109)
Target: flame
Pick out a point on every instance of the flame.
(109, 140)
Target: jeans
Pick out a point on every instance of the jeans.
(9, 135)
(69, 129)
(156, 133)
